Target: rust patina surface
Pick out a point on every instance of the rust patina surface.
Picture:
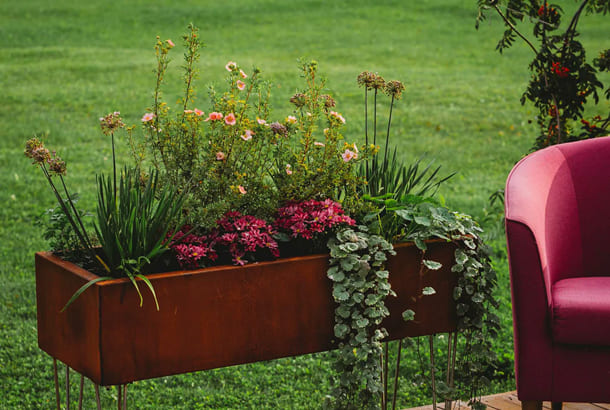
(220, 316)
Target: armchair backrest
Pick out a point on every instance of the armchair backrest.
(562, 194)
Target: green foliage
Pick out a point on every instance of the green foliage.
(562, 80)
(236, 158)
(360, 287)
(133, 221)
(57, 228)
(418, 219)
(390, 175)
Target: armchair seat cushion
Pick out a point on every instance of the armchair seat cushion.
(581, 311)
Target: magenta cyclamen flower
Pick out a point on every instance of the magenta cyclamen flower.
(308, 218)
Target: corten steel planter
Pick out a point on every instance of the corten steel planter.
(220, 316)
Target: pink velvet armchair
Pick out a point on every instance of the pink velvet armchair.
(558, 233)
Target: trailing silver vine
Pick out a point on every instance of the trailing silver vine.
(360, 287)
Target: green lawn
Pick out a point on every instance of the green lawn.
(63, 64)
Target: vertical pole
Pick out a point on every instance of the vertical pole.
(56, 379)
(67, 387)
(80, 394)
(449, 367)
(97, 396)
(396, 374)
(125, 396)
(120, 398)
(432, 370)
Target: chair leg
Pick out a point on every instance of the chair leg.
(531, 405)
(556, 405)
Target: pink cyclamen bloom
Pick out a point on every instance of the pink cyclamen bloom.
(148, 117)
(291, 119)
(170, 42)
(241, 85)
(319, 144)
(261, 121)
(231, 65)
(288, 169)
(243, 75)
(220, 156)
(337, 116)
(241, 189)
(230, 119)
(348, 155)
(198, 112)
(214, 116)
(247, 135)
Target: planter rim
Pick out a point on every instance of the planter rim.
(85, 274)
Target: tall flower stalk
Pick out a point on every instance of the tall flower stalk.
(52, 165)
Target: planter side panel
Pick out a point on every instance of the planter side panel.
(433, 313)
(71, 336)
(221, 316)
(215, 318)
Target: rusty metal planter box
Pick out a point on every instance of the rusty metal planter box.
(220, 316)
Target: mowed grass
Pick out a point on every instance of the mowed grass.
(64, 64)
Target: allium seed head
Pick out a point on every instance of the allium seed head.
(394, 89)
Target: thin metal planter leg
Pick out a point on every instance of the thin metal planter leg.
(67, 387)
(56, 379)
(120, 396)
(451, 353)
(80, 392)
(396, 374)
(432, 370)
(97, 396)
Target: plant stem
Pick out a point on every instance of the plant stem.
(366, 126)
(113, 166)
(76, 214)
(512, 26)
(387, 137)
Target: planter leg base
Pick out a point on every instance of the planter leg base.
(121, 390)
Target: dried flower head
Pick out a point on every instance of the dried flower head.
(31, 146)
(279, 129)
(56, 165)
(329, 101)
(36, 150)
(299, 100)
(394, 89)
(371, 80)
(111, 122)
